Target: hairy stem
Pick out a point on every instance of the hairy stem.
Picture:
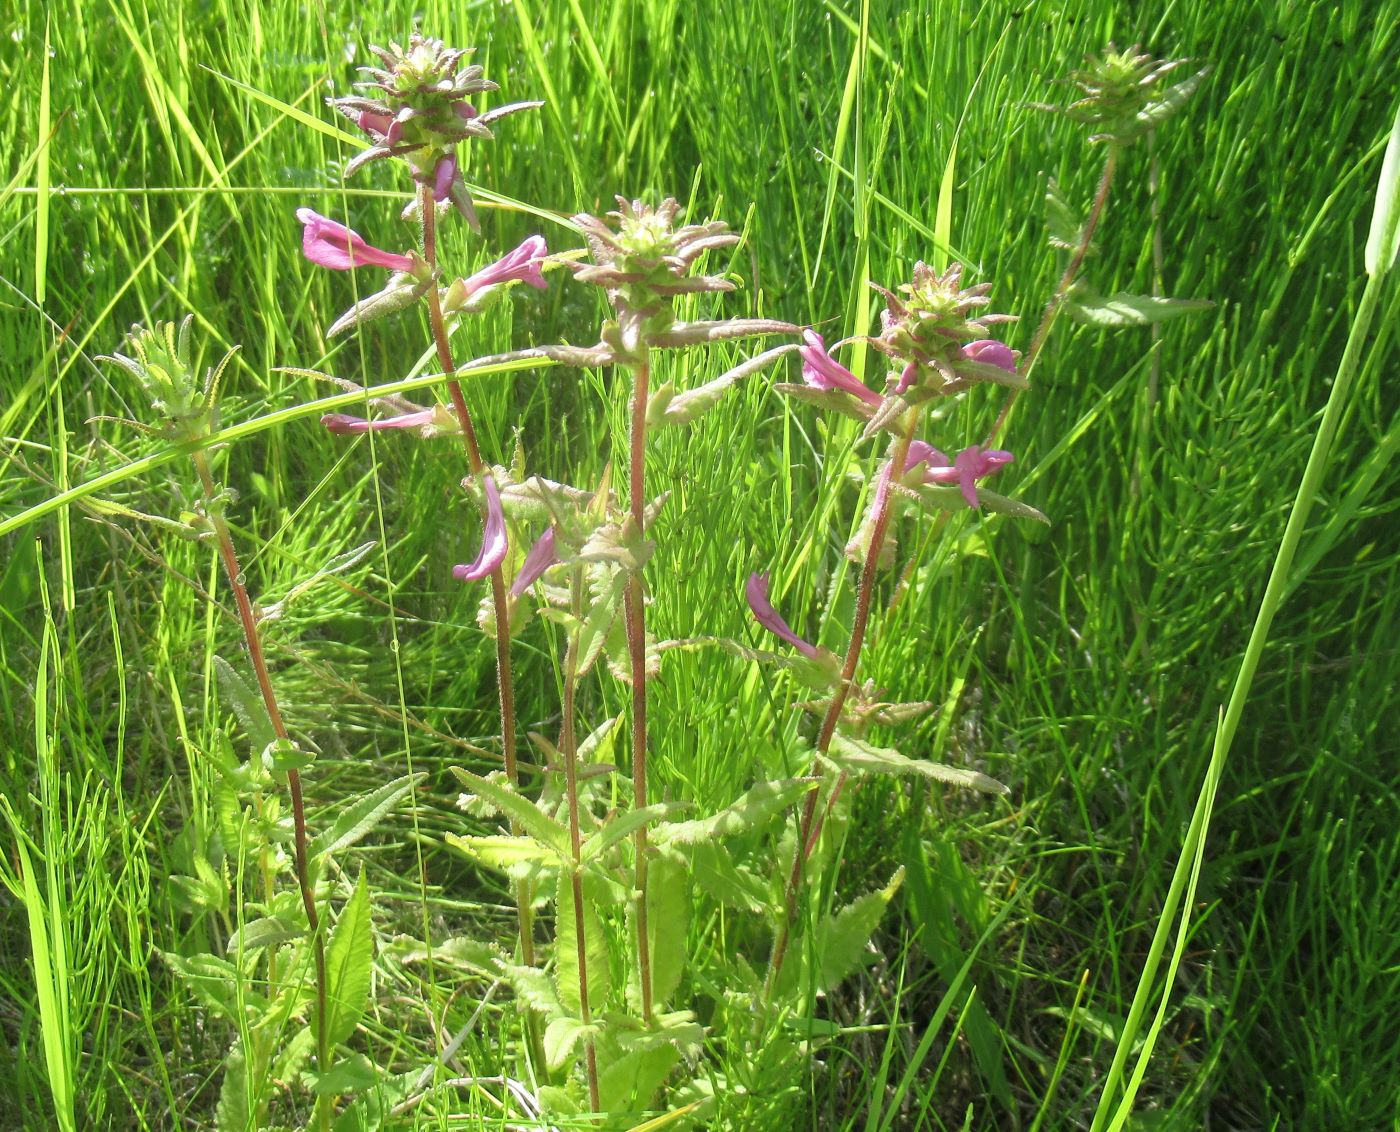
(568, 749)
(248, 619)
(1057, 300)
(637, 649)
(505, 687)
(810, 828)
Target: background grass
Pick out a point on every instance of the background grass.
(1084, 666)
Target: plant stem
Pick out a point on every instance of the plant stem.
(1057, 300)
(637, 648)
(248, 619)
(810, 828)
(505, 687)
(568, 748)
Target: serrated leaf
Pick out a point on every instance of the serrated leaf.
(668, 917)
(560, 1038)
(360, 816)
(842, 938)
(233, 1113)
(934, 498)
(1122, 309)
(533, 988)
(566, 969)
(1383, 239)
(353, 1074)
(504, 853)
(677, 1028)
(624, 826)
(759, 804)
(1063, 225)
(630, 1081)
(593, 633)
(520, 810)
(401, 292)
(214, 981)
(859, 757)
(246, 704)
(349, 954)
(716, 872)
(1167, 103)
(294, 1054)
(267, 931)
(598, 746)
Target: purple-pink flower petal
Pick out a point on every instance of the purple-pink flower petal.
(335, 246)
(343, 423)
(922, 452)
(821, 371)
(376, 125)
(493, 538)
(907, 376)
(756, 592)
(990, 352)
(541, 557)
(970, 465)
(444, 173)
(464, 110)
(521, 265)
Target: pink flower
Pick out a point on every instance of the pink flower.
(522, 265)
(375, 125)
(541, 557)
(464, 110)
(335, 246)
(444, 173)
(493, 538)
(990, 352)
(343, 423)
(970, 465)
(821, 371)
(756, 592)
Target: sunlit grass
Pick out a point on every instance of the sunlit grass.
(1084, 666)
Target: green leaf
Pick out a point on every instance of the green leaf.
(1167, 103)
(1383, 240)
(348, 957)
(566, 967)
(842, 938)
(246, 704)
(715, 870)
(598, 747)
(533, 989)
(630, 1081)
(214, 982)
(668, 916)
(504, 853)
(755, 809)
(267, 931)
(560, 1037)
(360, 816)
(1122, 309)
(234, 1114)
(593, 633)
(353, 1074)
(520, 810)
(624, 826)
(858, 757)
(1063, 225)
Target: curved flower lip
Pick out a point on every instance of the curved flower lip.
(541, 557)
(756, 593)
(969, 466)
(493, 538)
(989, 351)
(443, 176)
(343, 423)
(821, 371)
(521, 265)
(333, 245)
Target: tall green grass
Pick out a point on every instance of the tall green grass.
(1086, 666)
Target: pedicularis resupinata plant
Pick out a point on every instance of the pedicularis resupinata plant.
(605, 877)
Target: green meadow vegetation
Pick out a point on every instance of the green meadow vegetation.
(1184, 911)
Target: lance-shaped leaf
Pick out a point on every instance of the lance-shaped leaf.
(667, 407)
(1166, 104)
(560, 1038)
(832, 399)
(401, 292)
(843, 938)
(759, 805)
(855, 756)
(566, 952)
(348, 956)
(694, 333)
(1121, 309)
(1383, 239)
(713, 867)
(360, 816)
(623, 827)
(1063, 225)
(668, 915)
(246, 704)
(515, 856)
(521, 811)
(936, 498)
(593, 633)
